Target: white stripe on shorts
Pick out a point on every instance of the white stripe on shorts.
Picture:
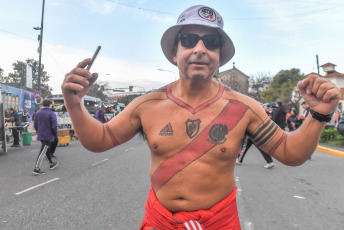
(194, 227)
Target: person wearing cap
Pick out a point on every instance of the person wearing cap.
(100, 114)
(195, 126)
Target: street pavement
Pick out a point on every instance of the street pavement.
(86, 191)
(109, 190)
(309, 196)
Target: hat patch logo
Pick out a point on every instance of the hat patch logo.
(207, 13)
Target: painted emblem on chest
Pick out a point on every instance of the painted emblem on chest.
(167, 130)
(192, 127)
(217, 133)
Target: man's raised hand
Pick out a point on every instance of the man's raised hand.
(77, 82)
(320, 94)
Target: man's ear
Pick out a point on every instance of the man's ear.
(218, 65)
(174, 54)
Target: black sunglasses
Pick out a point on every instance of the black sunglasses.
(211, 41)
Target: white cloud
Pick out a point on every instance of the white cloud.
(101, 7)
(59, 60)
(298, 15)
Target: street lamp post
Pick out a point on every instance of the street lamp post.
(175, 77)
(40, 39)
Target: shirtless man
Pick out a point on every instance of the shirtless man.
(195, 127)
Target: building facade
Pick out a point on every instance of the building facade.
(234, 79)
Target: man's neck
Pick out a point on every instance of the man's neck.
(195, 92)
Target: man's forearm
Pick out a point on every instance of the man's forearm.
(88, 130)
(301, 144)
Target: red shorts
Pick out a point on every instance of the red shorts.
(224, 216)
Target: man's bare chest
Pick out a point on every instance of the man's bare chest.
(173, 127)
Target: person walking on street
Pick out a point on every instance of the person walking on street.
(100, 114)
(14, 118)
(279, 115)
(53, 146)
(247, 143)
(195, 126)
(46, 126)
(246, 146)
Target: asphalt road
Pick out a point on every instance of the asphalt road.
(109, 190)
(310, 196)
(86, 191)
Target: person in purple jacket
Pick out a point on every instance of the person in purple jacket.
(46, 126)
(100, 114)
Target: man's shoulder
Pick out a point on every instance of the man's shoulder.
(155, 95)
(44, 111)
(236, 96)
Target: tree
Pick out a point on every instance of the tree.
(257, 84)
(2, 79)
(127, 99)
(283, 86)
(18, 77)
(97, 90)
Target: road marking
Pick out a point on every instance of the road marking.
(106, 159)
(129, 149)
(248, 225)
(33, 187)
(237, 182)
(299, 197)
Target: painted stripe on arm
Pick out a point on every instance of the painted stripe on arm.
(111, 135)
(272, 150)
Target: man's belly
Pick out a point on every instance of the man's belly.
(192, 193)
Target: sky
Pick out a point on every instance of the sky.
(268, 35)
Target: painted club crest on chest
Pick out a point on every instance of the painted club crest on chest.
(192, 127)
(217, 133)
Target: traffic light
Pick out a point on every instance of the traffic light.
(131, 88)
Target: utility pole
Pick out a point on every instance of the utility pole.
(40, 39)
(318, 65)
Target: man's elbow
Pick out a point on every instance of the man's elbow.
(94, 148)
(296, 161)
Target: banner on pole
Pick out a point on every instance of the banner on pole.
(28, 76)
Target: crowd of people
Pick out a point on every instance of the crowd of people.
(106, 113)
(286, 121)
(46, 127)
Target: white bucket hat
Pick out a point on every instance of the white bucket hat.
(198, 15)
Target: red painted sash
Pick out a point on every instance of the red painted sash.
(211, 136)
